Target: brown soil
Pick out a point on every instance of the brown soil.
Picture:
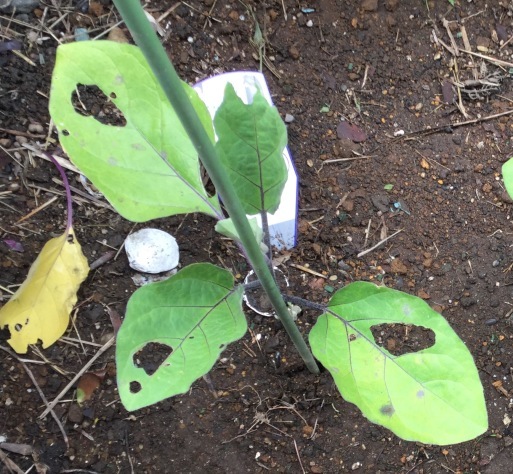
(373, 63)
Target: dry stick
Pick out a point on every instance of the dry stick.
(41, 394)
(62, 161)
(431, 160)
(353, 158)
(168, 12)
(209, 16)
(19, 133)
(10, 464)
(451, 37)
(307, 270)
(498, 62)
(427, 131)
(361, 254)
(298, 456)
(108, 30)
(37, 209)
(56, 400)
(284, 10)
(468, 47)
(506, 42)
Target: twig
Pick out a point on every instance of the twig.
(284, 10)
(498, 62)
(10, 464)
(431, 160)
(209, 15)
(19, 133)
(367, 231)
(37, 209)
(106, 346)
(307, 270)
(429, 131)
(41, 394)
(361, 254)
(451, 37)
(338, 160)
(299, 457)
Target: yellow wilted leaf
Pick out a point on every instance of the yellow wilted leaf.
(40, 308)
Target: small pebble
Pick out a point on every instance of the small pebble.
(333, 278)
(289, 118)
(309, 23)
(294, 52)
(491, 322)
(495, 263)
(35, 128)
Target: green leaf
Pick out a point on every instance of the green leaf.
(388, 187)
(196, 313)
(432, 396)
(507, 174)
(251, 140)
(147, 168)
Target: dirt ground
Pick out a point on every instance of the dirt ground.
(412, 164)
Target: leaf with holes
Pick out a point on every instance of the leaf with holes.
(194, 314)
(432, 396)
(40, 309)
(146, 166)
(251, 140)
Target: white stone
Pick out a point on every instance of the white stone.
(152, 251)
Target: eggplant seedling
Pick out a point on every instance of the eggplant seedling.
(149, 168)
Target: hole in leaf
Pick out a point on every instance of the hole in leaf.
(65, 133)
(113, 95)
(135, 387)
(90, 101)
(152, 356)
(18, 327)
(5, 334)
(399, 339)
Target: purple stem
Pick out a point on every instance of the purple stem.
(66, 187)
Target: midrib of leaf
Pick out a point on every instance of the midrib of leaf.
(178, 175)
(198, 324)
(256, 149)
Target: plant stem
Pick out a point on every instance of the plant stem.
(69, 201)
(164, 71)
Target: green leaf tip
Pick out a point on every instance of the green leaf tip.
(146, 168)
(507, 174)
(251, 140)
(432, 396)
(196, 313)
